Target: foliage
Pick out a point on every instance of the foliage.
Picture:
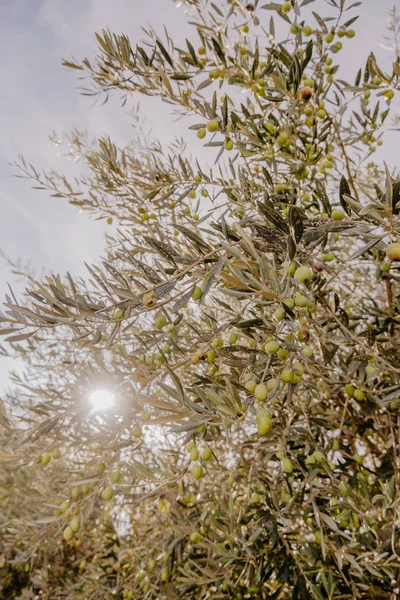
(245, 318)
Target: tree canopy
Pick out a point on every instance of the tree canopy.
(214, 411)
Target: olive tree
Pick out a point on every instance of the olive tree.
(239, 341)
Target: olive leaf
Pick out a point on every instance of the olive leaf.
(273, 216)
(344, 190)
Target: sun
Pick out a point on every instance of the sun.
(102, 399)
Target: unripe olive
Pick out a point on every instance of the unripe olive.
(307, 351)
(233, 338)
(217, 342)
(160, 321)
(195, 537)
(271, 347)
(356, 521)
(212, 370)
(107, 493)
(115, 476)
(206, 454)
(282, 139)
(303, 274)
(196, 358)
(301, 300)
(338, 214)
(297, 377)
(75, 493)
(282, 353)
(197, 471)
(197, 293)
(212, 126)
(250, 386)
(287, 465)
(228, 145)
(289, 303)
(359, 395)
(194, 454)
(366, 94)
(75, 524)
(319, 456)
(56, 453)
(201, 133)
(68, 534)
(211, 356)
(307, 30)
(149, 299)
(328, 257)
(272, 384)
(280, 313)
(344, 522)
(46, 458)
(264, 421)
(329, 37)
(270, 127)
(393, 251)
(261, 392)
(298, 368)
(286, 376)
(350, 33)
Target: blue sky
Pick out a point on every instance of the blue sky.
(38, 96)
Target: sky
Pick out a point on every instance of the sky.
(38, 96)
